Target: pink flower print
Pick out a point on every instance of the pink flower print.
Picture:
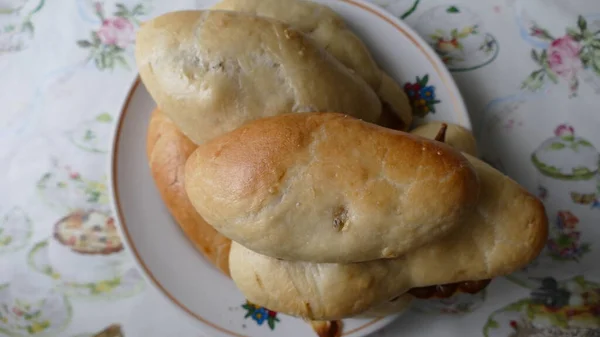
(98, 8)
(535, 31)
(116, 31)
(17, 311)
(564, 130)
(567, 220)
(563, 57)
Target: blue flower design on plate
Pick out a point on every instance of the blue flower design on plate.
(260, 315)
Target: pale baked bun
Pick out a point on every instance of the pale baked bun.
(505, 232)
(168, 149)
(320, 23)
(326, 187)
(330, 32)
(317, 291)
(457, 136)
(211, 71)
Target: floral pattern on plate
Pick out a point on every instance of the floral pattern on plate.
(421, 95)
(108, 43)
(552, 309)
(569, 58)
(15, 230)
(400, 8)
(260, 315)
(47, 316)
(126, 285)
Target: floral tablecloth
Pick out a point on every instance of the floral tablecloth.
(529, 71)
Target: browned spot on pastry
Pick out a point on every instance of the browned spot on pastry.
(327, 328)
(395, 299)
(290, 34)
(340, 217)
(308, 309)
(113, 330)
(441, 135)
(258, 281)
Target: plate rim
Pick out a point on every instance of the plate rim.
(459, 110)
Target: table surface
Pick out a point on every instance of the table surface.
(529, 71)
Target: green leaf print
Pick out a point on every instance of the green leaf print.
(406, 14)
(581, 23)
(557, 146)
(89, 135)
(535, 56)
(84, 43)
(28, 27)
(534, 81)
(98, 64)
(452, 9)
(574, 33)
(581, 171)
(490, 324)
(33, 315)
(5, 241)
(93, 196)
(122, 11)
(454, 33)
(109, 61)
(584, 143)
(138, 10)
(595, 44)
(585, 247)
(121, 61)
(564, 241)
(104, 117)
(96, 39)
(596, 65)
(43, 180)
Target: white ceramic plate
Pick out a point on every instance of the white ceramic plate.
(168, 259)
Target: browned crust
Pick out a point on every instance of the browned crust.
(241, 172)
(168, 149)
(80, 213)
(164, 137)
(327, 328)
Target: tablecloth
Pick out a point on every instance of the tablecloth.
(529, 71)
